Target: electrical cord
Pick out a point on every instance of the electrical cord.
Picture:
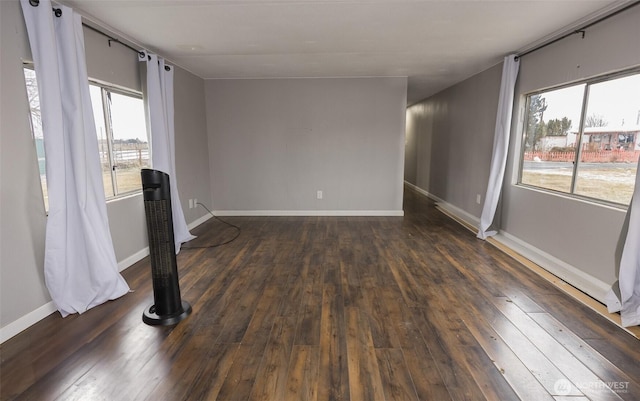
(238, 231)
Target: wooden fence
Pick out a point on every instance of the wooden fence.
(603, 156)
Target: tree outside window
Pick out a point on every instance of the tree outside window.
(123, 144)
(591, 152)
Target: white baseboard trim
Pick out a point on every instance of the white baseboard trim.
(339, 213)
(131, 260)
(141, 254)
(571, 275)
(45, 310)
(26, 321)
(586, 283)
(199, 221)
(420, 190)
(467, 218)
(454, 211)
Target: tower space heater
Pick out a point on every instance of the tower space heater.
(168, 309)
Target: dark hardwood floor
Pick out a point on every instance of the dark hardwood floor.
(334, 308)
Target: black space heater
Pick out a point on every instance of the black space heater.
(168, 309)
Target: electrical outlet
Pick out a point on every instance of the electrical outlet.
(190, 203)
(318, 194)
(478, 199)
(195, 202)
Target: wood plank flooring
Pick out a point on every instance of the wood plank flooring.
(333, 308)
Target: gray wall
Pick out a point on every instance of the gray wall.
(453, 133)
(115, 64)
(582, 234)
(22, 215)
(192, 152)
(274, 143)
(411, 144)
(454, 136)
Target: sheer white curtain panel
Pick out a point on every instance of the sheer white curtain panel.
(80, 265)
(160, 110)
(624, 297)
(502, 132)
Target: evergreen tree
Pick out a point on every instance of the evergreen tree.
(558, 127)
(536, 128)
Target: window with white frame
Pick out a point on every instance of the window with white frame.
(121, 130)
(583, 139)
(122, 138)
(35, 120)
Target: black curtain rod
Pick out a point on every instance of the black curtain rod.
(112, 39)
(141, 54)
(580, 30)
(58, 13)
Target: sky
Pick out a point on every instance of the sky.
(127, 116)
(617, 101)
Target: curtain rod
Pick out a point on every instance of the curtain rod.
(141, 54)
(58, 13)
(581, 30)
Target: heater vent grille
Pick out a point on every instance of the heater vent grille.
(167, 308)
(161, 253)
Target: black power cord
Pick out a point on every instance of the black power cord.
(238, 231)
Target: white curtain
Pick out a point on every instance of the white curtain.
(624, 297)
(500, 145)
(159, 101)
(80, 266)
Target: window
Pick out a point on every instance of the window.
(584, 139)
(122, 136)
(35, 120)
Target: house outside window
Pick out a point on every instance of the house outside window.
(583, 139)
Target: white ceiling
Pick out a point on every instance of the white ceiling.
(434, 43)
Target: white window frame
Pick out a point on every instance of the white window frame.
(43, 179)
(105, 90)
(579, 139)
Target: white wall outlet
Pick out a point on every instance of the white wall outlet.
(319, 194)
(195, 202)
(190, 203)
(478, 199)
